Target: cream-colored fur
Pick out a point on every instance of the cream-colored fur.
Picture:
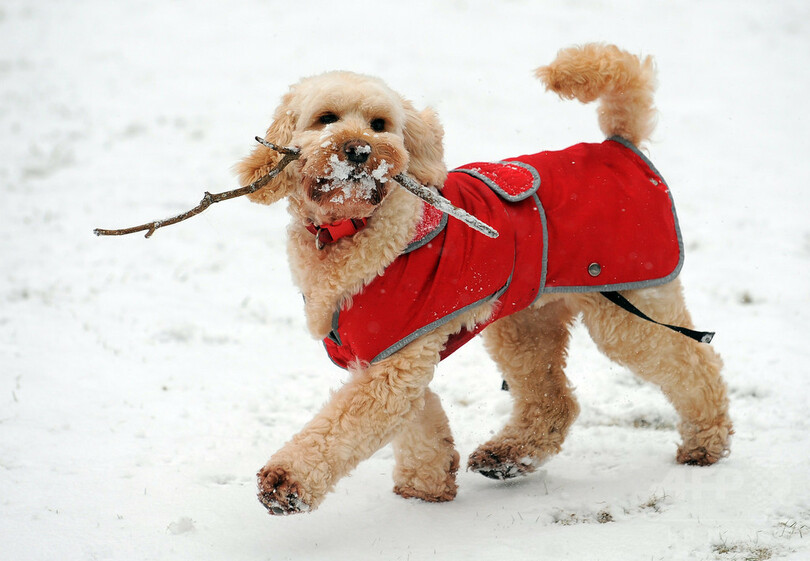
(389, 401)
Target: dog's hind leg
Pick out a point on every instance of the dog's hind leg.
(530, 349)
(426, 458)
(688, 372)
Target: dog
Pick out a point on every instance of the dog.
(351, 225)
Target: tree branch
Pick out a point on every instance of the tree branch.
(289, 155)
(434, 199)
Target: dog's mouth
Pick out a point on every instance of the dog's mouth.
(347, 182)
(348, 174)
(347, 189)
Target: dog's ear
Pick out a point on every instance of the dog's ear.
(424, 142)
(262, 159)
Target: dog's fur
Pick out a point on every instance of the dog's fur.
(390, 401)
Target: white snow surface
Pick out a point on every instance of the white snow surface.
(143, 382)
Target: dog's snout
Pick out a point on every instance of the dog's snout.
(357, 151)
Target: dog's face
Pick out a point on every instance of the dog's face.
(350, 131)
(355, 135)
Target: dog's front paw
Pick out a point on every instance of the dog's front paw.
(278, 493)
(448, 493)
(500, 464)
(433, 486)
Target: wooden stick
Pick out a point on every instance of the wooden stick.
(289, 155)
(436, 200)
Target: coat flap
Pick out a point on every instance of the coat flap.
(512, 181)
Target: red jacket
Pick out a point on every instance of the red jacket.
(590, 218)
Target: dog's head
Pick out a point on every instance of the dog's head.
(355, 135)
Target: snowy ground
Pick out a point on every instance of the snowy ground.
(143, 382)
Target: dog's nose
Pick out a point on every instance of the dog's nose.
(357, 151)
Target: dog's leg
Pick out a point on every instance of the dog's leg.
(375, 406)
(530, 349)
(426, 457)
(688, 372)
(361, 417)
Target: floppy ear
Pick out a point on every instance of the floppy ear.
(262, 159)
(423, 141)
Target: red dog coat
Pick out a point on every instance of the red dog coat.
(590, 218)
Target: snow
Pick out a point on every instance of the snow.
(340, 169)
(143, 382)
(379, 173)
(353, 183)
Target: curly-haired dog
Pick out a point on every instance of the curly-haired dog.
(351, 223)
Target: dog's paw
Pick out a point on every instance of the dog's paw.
(700, 455)
(705, 447)
(433, 486)
(442, 496)
(696, 457)
(500, 465)
(278, 493)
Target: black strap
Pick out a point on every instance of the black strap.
(624, 303)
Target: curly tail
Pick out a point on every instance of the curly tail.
(623, 82)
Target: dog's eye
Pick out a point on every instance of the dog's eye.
(327, 118)
(378, 125)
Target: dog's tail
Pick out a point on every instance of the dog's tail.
(622, 82)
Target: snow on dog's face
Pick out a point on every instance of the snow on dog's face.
(350, 131)
(355, 135)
